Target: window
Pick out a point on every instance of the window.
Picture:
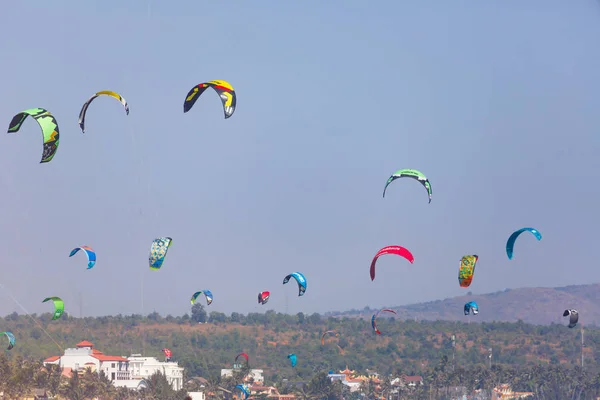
(112, 365)
(112, 376)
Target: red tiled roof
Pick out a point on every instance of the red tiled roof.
(94, 351)
(67, 372)
(52, 359)
(85, 343)
(103, 357)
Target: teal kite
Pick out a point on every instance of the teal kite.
(11, 339)
(510, 244)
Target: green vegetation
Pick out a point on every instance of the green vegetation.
(204, 348)
(541, 359)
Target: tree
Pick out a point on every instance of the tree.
(198, 313)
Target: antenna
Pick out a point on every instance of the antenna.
(453, 351)
(582, 346)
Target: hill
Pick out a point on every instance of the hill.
(540, 306)
(409, 347)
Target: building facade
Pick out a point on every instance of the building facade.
(130, 372)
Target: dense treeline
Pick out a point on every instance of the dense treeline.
(444, 381)
(204, 343)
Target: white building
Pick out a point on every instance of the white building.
(255, 374)
(84, 355)
(144, 367)
(129, 372)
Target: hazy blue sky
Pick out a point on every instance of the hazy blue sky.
(495, 101)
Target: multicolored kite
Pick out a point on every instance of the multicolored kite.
(223, 89)
(91, 255)
(207, 294)
(158, 252)
(466, 270)
(49, 129)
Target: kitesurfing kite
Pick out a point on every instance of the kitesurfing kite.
(244, 355)
(410, 173)
(374, 319)
(471, 306)
(328, 333)
(207, 294)
(49, 127)
(158, 252)
(263, 297)
(59, 306)
(91, 255)
(300, 279)
(87, 104)
(510, 244)
(224, 90)
(293, 359)
(573, 317)
(11, 339)
(244, 389)
(466, 270)
(397, 250)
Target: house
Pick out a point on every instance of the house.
(256, 375)
(505, 392)
(84, 355)
(130, 372)
(406, 380)
(142, 368)
(269, 392)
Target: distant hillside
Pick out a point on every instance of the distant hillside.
(539, 306)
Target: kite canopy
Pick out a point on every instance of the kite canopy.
(87, 104)
(244, 389)
(223, 89)
(573, 317)
(300, 279)
(207, 294)
(91, 255)
(11, 339)
(328, 333)
(293, 359)
(374, 319)
(466, 270)
(59, 306)
(410, 173)
(263, 297)
(244, 355)
(471, 306)
(49, 126)
(397, 250)
(510, 243)
(158, 252)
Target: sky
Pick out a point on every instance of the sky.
(496, 102)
